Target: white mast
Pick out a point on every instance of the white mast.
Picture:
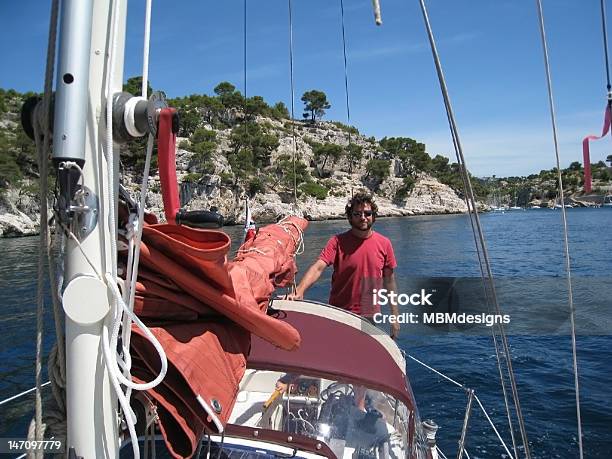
(91, 402)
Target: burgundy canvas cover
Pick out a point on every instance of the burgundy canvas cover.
(195, 260)
(337, 351)
(204, 311)
(205, 359)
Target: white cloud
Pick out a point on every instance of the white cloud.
(510, 149)
(394, 49)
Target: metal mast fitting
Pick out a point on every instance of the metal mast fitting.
(135, 117)
(430, 428)
(377, 17)
(71, 97)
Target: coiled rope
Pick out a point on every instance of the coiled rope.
(37, 428)
(122, 315)
(482, 245)
(568, 268)
(111, 277)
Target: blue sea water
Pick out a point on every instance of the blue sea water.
(526, 249)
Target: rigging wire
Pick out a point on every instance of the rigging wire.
(605, 45)
(568, 268)
(465, 388)
(295, 201)
(470, 192)
(496, 345)
(346, 89)
(245, 121)
(604, 29)
(245, 58)
(21, 394)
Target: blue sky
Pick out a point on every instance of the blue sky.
(490, 52)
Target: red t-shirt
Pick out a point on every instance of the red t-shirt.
(358, 268)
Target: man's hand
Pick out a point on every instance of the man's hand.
(294, 296)
(281, 386)
(311, 276)
(390, 284)
(395, 330)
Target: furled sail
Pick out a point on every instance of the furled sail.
(203, 311)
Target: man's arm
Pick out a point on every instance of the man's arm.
(311, 276)
(390, 284)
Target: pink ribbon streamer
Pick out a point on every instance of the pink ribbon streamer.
(585, 150)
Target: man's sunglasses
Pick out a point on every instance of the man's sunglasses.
(366, 213)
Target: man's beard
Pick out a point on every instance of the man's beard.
(365, 227)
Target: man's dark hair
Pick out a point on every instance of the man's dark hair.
(360, 198)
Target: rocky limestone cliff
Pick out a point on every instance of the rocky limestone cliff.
(428, 196)
(19, 212)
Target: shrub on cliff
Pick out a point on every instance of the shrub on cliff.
(256, 185)
(326, 151)
(315, 190)
(354, 154)
(378, 169)
(252, 137)
(284, 171)
(403, 191)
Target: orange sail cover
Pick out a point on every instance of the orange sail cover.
(203, 310)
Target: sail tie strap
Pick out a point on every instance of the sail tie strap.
(586, 153)
(585, 143)
(166, 145)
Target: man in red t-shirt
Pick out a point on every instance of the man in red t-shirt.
(363, 260)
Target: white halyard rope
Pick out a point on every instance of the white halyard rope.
(150, 336)
(137, 233)
(119, 309)
(108, 205)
